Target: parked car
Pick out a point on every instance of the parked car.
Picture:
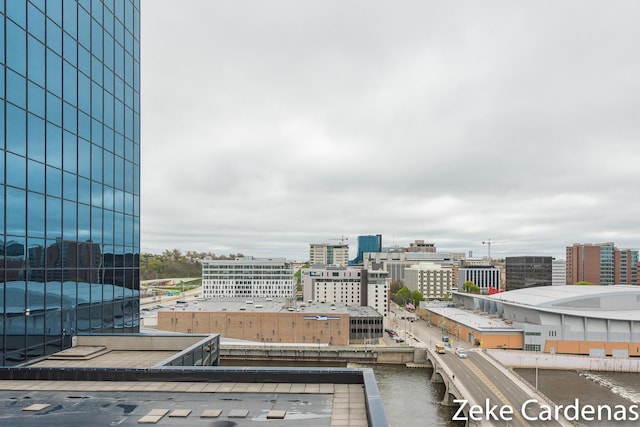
(398, 339)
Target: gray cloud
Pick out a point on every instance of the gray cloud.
(271, 125)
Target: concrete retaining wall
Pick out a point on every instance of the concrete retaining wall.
(525, 359)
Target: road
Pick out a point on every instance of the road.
(484, 382)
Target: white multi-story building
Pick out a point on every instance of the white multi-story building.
(433, 280)
(350, 286)
(558, 272)
(485, 277)
(248, 278)
(325, 254)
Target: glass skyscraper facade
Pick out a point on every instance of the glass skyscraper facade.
(69, 172)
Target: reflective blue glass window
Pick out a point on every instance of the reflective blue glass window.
(36, 22)
(96, 11)
(84, 158)
(96, 194)
(16, 48)
(136, 176)
(1, 198)
(69, 218)
(36, 142)
(16, 171)
(70, 118)
(1, 129)
(70, 49)
(96, 39)
(128, 42)
(35, 220)
(70, 92)
(16, 125)
(84, 190)
(16, 212)
(84, 28)
(54, 145)
(54, 10)
(108, 51)
(54, 217)
(36, 102)
(108, 20)
(107, 227)
(128, 96)
(69, 186)
(36, 61)
(119, 172)
(54, 109)
(54, 37)
(35, 176)
(128, 230)
(118, 116)
(108, 109)
(84, 60)
(96, 98)
(118, 229)
(16, 89)
(136, 134)
(54, 181)
(70, 16)
(96, 132)
(118, 60)
(128, 125)
(128, 176)
(84, 125)
(107, 138)
(84, 223)
(86, 4)
(118, 31)
(1, 43)
(69, 152)
(118, 199)
(40, 4)
(128, 202)
(54, 73)
(17, 11)
(107, 197)
(108, 168)
(96, 224)
(136, 28)
(84, 93)
(96, 70)
(96, 163)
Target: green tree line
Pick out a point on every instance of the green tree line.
(173, 264)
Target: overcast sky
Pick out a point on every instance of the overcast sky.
(270, 125)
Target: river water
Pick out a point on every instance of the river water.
(412, 400)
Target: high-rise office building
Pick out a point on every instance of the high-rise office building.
(325, 254)
(370, 243)
(528, 271)
(69, 172)
(601, 264)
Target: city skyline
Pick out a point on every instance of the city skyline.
(299, 123)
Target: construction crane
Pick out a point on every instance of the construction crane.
(490, 242)
(342, 239)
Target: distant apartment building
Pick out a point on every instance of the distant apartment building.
(248, 277)
(485, 277)
(396, 262)
(325, 254)
(601, 264)
(346, 285)
(558, 272)
(420, 246)
(528, 271)
(433, 280)
(370, 243)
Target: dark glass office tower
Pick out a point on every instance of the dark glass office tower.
(69, 172)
